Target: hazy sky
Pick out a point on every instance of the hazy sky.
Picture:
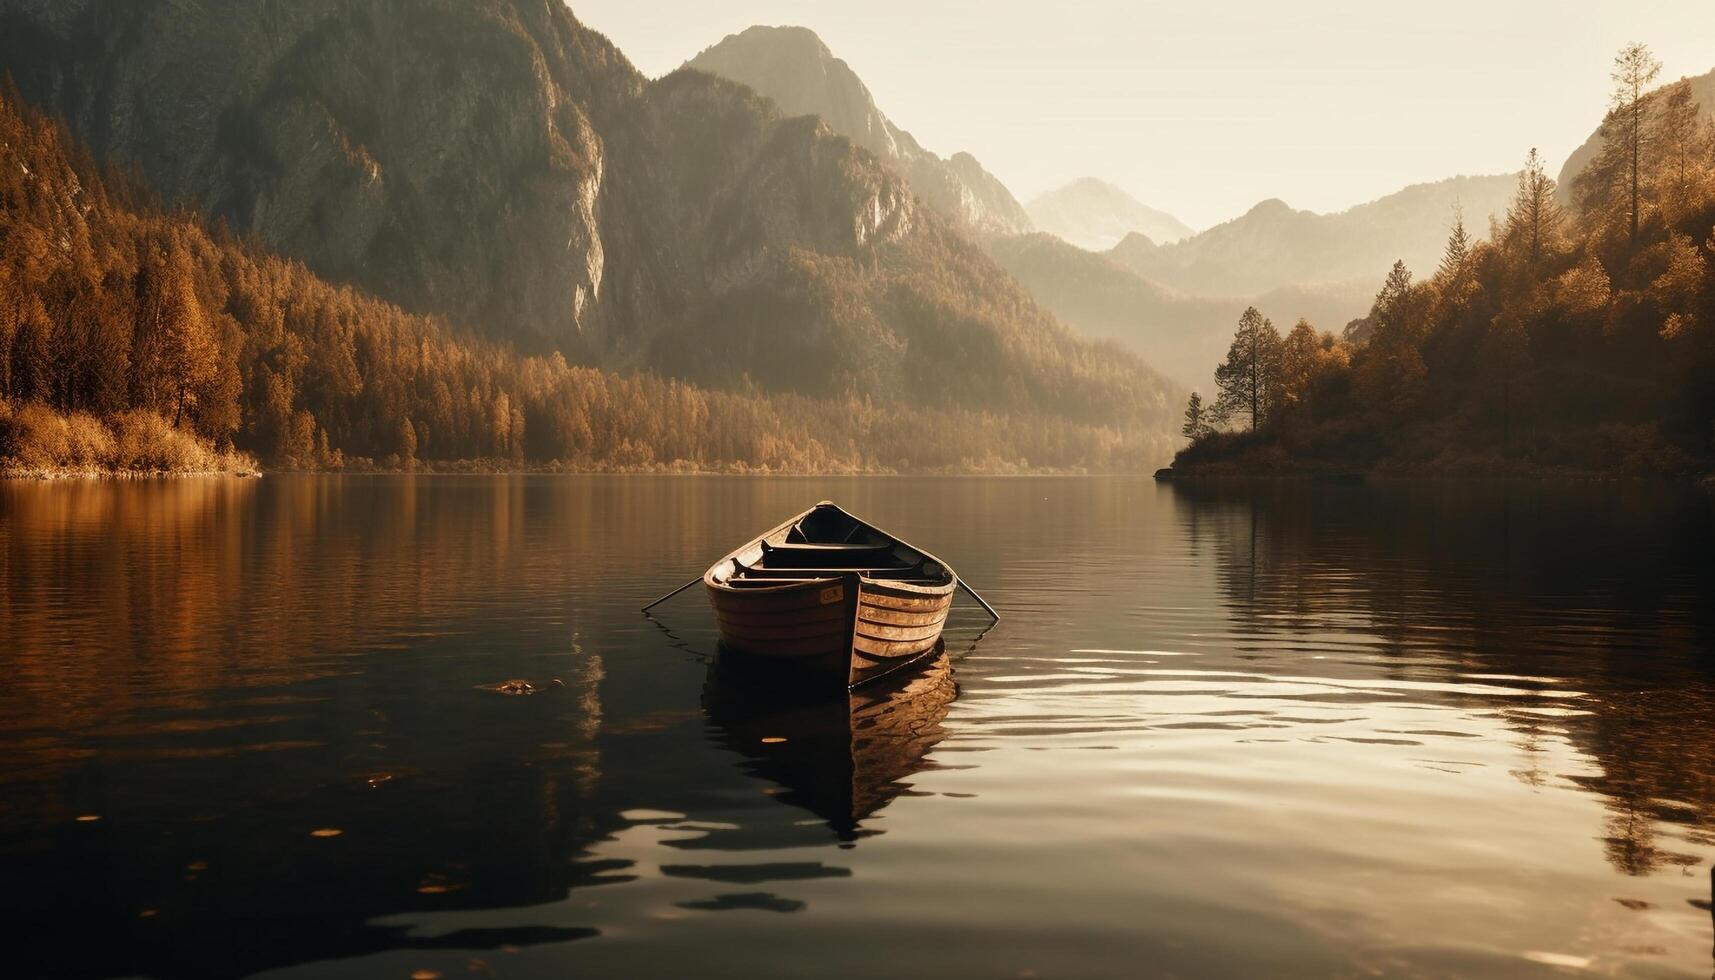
(1204, 107)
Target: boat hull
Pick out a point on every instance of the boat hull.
(847, 629)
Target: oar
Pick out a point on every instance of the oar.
(983, 602)
(678, 590)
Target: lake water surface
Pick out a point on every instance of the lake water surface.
(245, 726)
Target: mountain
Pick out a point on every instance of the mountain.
(1273, 245)
(793, 67)
(134, 338)
(1096, 215)
(1702, 90)
(1182, 335)
(496, 163)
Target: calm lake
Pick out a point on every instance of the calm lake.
(246, 726)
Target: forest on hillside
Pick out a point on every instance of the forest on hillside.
(133, 337)
(1576, 339)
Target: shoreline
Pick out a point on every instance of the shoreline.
(1164, 475)
(1363, 478)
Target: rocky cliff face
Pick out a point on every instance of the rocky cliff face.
(793, 67)
(497, 162)
(1094, 214)
(443, 154)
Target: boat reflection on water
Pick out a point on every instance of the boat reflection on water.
(842, 756)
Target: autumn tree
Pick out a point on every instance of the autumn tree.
(1298, 356)
(1534, 218)
(407, 444)
(1248, 376)
(1634, 69)
(1392, 366)
(1678, 139)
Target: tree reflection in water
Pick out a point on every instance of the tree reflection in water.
(1501, 573)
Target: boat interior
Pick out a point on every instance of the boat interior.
(824, 543)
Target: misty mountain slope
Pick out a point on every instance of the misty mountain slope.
(1182, 335)
(1096, 215)
(1702, 91)
(499, 163)
(1274, 245)
(792, 66)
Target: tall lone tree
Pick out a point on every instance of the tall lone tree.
(1248, 376)
(1634, 69)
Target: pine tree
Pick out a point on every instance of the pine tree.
(1634, 69)
(1457, 255)
(1196, 424)
(1534, 218)
(1247, 379)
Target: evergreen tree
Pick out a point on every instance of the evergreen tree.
(1196, 422)
(1534, 217)
(1456, 257)
(1248, 377)
(1634, 69)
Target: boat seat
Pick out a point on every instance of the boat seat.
(896, 571)
(827, 555)
(769, 582)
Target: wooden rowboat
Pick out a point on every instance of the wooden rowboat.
(831, 597)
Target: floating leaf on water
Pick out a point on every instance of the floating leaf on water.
(326, 832)
(520, 686)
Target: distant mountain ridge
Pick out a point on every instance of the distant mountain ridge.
(1183, 335)
(792, 66)
(1274, 245)
(1096, 215)
(500, 164)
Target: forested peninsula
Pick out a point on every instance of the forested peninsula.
(1577, 337)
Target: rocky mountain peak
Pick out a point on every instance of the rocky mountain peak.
(793, 67)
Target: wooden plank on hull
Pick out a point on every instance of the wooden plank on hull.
(891, 648)
(875, 631)
(895, 617)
